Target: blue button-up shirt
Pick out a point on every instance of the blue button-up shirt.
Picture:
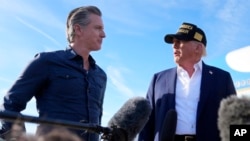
(62, 88)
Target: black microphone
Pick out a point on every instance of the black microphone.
(233, 110)
(90, 127)
(130, 118)
(169, 126)
(123, 126)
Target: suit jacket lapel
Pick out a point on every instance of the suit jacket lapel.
(172, 82)
(206, 82)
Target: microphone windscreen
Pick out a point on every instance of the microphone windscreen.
(233, 110)
(132, 116)
(169, 126)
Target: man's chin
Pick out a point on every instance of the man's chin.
(96, 49)
(177, 60)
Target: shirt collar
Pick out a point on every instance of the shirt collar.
(197, 66)
(72, 55)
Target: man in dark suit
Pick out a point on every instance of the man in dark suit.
(193, 89)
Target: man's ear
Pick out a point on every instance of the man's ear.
(77, 29)
(198, 48)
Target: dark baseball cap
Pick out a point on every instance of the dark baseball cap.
(187, 32)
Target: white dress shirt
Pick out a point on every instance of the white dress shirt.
(187, 98)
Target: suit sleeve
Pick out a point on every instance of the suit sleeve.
(230, 85)
(147, 133)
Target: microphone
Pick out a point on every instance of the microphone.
(169, 126)
(233, 110)
(130, 118)
(90, 127)
(123, 126)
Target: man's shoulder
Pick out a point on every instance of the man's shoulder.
(166, 71)
(213, 67)
(50, 54)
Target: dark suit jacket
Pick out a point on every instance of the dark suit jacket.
(216, 84)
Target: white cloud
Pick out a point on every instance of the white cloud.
(34, 10)
(115, 75)
(232, 11)
(39, 31)
(239, 59)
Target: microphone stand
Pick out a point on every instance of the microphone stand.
(109, 134)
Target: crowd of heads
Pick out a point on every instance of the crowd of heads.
(58, 134)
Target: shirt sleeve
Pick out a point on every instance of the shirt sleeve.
(28, 84)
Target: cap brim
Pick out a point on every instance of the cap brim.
(170, 37)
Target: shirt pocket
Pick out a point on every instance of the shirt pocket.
(66, 78)
(67, 84)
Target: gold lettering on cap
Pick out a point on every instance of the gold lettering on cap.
(187, 27)
(198, 36)
(183, 31)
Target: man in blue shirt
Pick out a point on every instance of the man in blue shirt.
(67, 84)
